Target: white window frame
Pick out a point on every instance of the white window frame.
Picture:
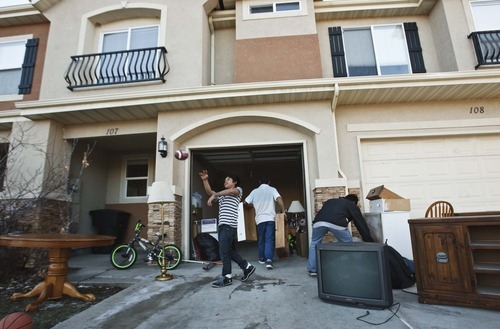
(15, 39)
(147, 160)
(479, 26)
(127, 30)
(377, 61)
(248, 5)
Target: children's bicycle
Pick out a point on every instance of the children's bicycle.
(124, 255)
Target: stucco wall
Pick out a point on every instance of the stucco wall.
(254, 125)
(183, 32)
(224, 56)
(274, 25)
(278, 58)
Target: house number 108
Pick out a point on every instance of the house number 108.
(476, 109)
(114, 131)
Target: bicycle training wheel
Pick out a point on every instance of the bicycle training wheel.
(123, 256)
(173, 257)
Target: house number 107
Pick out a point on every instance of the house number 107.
(112, 131)
(476, 109)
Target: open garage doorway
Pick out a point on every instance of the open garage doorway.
(283, 164)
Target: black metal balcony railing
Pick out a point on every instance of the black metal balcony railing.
(487, 46)
(117, 67)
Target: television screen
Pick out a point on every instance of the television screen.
(355, 274)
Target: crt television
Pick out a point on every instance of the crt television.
(354, 274)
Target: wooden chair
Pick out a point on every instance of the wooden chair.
(439, 209)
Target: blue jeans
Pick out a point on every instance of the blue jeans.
(227, 249)
(266, 239)
(317, 236)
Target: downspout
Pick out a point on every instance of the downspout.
(212, 50)
(333, 108)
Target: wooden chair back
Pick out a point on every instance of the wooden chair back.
(439, 209)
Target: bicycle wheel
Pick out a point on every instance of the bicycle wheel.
(173, 256)
(123, 256)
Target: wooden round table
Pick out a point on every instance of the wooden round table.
(55, 283)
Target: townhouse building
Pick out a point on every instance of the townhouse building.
(325, 97)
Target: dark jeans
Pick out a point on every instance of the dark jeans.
(227, 249)
(266, 239)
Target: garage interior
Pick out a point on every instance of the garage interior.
(283, 164)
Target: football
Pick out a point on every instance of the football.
(181, 155)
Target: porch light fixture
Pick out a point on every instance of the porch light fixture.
(162, 147)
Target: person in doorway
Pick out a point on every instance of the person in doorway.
(334, 217)
(263, 200)
(229, 200)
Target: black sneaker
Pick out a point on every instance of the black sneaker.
(222, 281)
(247, 272)
(261, 261)
(269, 264)
(311, 273)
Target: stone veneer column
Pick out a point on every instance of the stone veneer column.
(172, 212)
(321, 194)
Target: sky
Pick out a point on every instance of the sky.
(6, 3)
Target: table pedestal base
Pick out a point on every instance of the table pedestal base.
(54, 285)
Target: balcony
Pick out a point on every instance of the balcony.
(487, 47)
(117, 67)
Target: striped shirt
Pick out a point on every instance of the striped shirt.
(228, 209)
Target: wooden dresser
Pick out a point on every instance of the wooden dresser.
(457, 260)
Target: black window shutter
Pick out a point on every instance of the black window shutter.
(28, 66)
(337, 51)
(414, 48)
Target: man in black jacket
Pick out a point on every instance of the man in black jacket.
(334, 217)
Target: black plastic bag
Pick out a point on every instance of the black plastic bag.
(402, 270)
(207, 247)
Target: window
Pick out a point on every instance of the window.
(257, 9)
(261, 9)
(486, 14)
(379, 50)
(136, 65)
(274, 7)
(136, 178)
(133, 38)
(376, 50)
(287, 6)
(11, 62)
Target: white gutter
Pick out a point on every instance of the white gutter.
(212, 50)
(333, 107)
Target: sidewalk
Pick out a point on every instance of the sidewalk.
(285, 297)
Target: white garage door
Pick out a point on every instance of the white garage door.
(464, 170)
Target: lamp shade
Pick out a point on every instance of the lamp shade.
(295, 207)
(161, 192)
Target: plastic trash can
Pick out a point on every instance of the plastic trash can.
(110, 222)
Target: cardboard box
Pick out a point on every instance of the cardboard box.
(208, 225)
(380, 192)
(247, 230)
(281, 232)
(250, 226)
(383, 199)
